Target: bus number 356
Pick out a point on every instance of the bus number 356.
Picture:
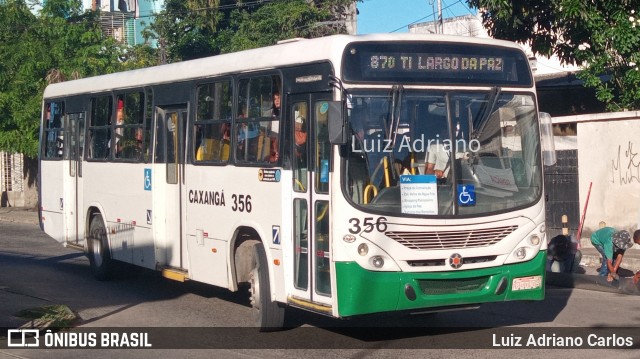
(241, 203)
(368, 224)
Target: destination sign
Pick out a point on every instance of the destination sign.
(434, 62)
(431, 62)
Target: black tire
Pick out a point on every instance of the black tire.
(268, 315)
(98, 249)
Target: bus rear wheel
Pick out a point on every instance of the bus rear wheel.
(268, 315)
(99, 257)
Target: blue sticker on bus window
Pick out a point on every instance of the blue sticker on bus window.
(147, 179)
(324, 171)
(324, 108)
(466, 195)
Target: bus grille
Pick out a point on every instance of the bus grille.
(452, 286)
(442, 262)
(452, 239)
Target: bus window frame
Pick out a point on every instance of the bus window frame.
(46, 131)
(89, 144)
(126, 126)
(195, 122)
(236, 120)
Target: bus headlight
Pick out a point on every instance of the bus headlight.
(527, 249)
(363, 249)
(371, 257)
(534, 240)
(377, 261)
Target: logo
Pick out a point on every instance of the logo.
(147, 179)
(466, 195)
(23, 338)
(324, 108)
(455, 261)
(349, 238)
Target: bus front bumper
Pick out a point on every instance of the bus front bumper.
(361, 291)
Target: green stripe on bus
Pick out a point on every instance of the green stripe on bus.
(361, 291)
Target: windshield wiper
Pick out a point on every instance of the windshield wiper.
(481, 122)
(396, 103)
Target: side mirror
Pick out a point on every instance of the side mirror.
(546, 136)
(338, 134)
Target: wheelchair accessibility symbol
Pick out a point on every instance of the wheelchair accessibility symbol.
(466, 195)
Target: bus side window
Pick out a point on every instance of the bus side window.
(257, 128)
(212, 126)
(100, 127)
(129, 133)
(148, 125)
(54, 130)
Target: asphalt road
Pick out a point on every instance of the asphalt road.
(36, 271)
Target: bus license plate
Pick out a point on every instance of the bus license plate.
(526, 283)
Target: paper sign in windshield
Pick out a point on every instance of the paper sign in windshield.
(419, 194)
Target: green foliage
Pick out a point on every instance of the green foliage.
(50, 316)
(198, 28)
(62, 42)
(602, 36)
(187, 28)
(58, 43)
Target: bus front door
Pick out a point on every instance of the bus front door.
(73, 151)
(310, 187)
(169, 186)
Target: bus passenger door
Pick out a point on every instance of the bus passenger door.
(168, 186)
(73, 152)
(310, 187)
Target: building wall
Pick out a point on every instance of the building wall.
(11, 183)
(126, 26)
(609, 159)
(18, 185)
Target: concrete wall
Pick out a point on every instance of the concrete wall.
(609, 158)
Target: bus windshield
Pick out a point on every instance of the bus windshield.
(444, 153)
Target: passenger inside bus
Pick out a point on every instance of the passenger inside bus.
(300, 135)
(357, 167)
(274, 154)
(213, 142)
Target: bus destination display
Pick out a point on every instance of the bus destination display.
(434, 62)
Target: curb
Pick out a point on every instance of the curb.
(592, 282)
(628, 262)
(19, 216)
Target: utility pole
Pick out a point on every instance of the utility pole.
(440, 25)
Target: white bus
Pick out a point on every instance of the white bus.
(345, 175)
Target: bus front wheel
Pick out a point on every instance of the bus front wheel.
(268, 315)
(99, 256)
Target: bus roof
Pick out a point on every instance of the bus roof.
(284, 54)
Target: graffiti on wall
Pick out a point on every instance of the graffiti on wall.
(625, 167)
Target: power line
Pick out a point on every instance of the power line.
(454, 17)
(422, 18)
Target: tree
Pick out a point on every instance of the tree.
(60, 42)
(198, 28)
(280, 20)
(186, 29)
(601, 36)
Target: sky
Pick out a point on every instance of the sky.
(384, 16)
